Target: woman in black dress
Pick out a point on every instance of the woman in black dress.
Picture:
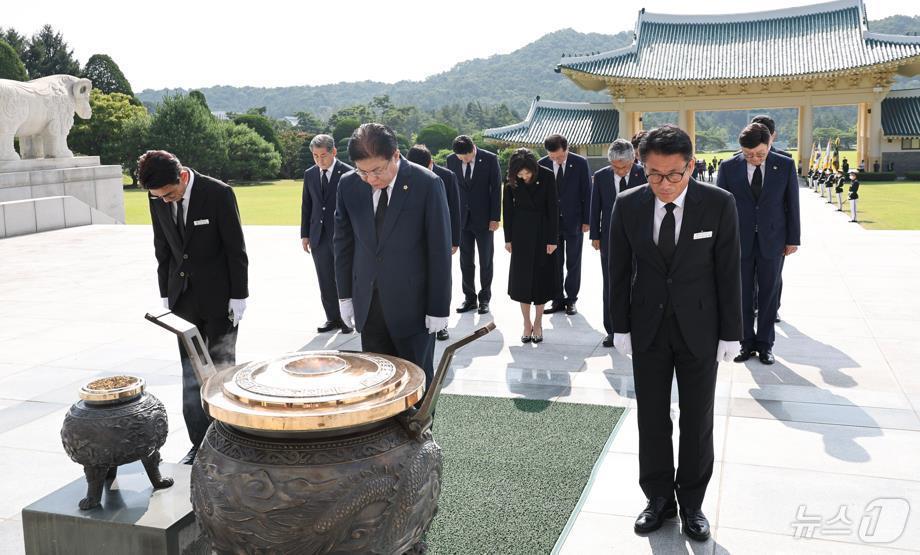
(530, 213)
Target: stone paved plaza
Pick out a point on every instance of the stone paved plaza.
(833, 423)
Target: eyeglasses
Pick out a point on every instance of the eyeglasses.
(754, 155)
(376, 173)
(673, 177)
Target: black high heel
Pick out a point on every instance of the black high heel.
(537, 338)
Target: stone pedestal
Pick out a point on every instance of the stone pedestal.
(133, 518)
(44, 194)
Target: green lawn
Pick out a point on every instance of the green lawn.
(263, 203)
(883, 205)
(888, 205)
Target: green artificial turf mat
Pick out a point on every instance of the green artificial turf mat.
(514, 470)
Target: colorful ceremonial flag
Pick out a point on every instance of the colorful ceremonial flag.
(835, 161)
(826, 159)
(813, 156)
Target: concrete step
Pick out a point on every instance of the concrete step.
(22, 217)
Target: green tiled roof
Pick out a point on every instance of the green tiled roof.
(821, 38)
(581, 123)
(901, 114)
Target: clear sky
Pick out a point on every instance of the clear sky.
(188, 43)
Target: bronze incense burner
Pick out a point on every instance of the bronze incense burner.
(316, 452)
(116, 422)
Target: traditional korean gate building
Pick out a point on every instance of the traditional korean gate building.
(803, 57)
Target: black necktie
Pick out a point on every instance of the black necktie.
(559, 176)
(666, 234)
(323, 183)
(180, 219)
(381, 212)
(757, 182)
(622, 184)
(468, 173)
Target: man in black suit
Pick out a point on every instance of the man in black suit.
(676, 294)
(392, 249)
(766, 190)
(320, 183)
(622, 174)
(480, 183)
(771, 126)
(573, 184)
(202, 267)
(419, 154)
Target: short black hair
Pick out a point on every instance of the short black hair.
(765, 120)
(419, 154)
(555, 142)
(667, 139)
(522, 158)
(158, 168)
(372, 140)
(637, 138)
(754, 135)
(463, 144)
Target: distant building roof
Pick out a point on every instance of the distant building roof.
(581, 123)
(817, 39)
(901, 114)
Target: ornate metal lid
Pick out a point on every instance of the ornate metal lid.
(311, 391)
(112, 389)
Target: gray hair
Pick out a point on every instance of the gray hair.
(322, 141)
(621, 150)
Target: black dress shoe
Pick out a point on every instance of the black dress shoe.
(555, 307)
(694, 523)
(608, 341)
(766, 357)
(571, 310)
(343, 327)
(443, 335)
(467, 306)
(483, 308)
(744, 355)
(189, 457)
(328, 326)
(656, 512)
(777, 320)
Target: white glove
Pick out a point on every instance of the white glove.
(347, 311)
(237, 307)
(623, 343)
(727, 351)
(435, 323)
(165, 302)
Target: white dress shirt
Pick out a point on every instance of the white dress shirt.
(472, 165)
(660, 211)
(327, 171)
(556, 167)
(185, 198)
(376, 194)
(617, 178)
(750, 172)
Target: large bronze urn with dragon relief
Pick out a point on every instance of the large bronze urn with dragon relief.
(316, 452)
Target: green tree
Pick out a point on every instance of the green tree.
(344, 128)
(48, 54)
(101, 135)
(250, 157)
(184, 126)
(261, 125)
(309, 123)
(199, 97)
(134, 141)
(293, 162)
(436, 136)
(106, 76)
(11, 67)
(14, 39)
